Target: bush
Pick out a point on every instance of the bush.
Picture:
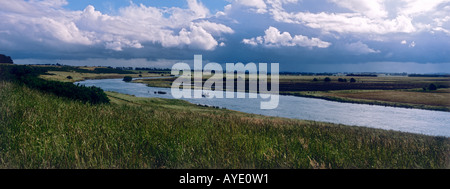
(93, 95)
(127, 78)
(342, 80)
(315, 79)
(69, 77)
(352, 80)
(327, 79)
(29, 76)
(432, 87)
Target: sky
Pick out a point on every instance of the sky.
(302, 35)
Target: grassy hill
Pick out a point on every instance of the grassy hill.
(41, 130)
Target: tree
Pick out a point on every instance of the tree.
(342, 80)
(127, 78)
(5, 59)
(352, 80)
(432, 87)
(327, 79)
(315, 79)
(69, 77)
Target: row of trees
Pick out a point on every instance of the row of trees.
(80, 70)
(327, 79)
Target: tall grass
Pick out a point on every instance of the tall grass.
(39, 130)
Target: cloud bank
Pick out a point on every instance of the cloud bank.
(292, 32)
(48, 22)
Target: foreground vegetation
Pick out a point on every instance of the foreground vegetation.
(41, 130)
(27, 75)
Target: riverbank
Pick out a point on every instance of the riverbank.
(403, 92)
(133, 132)
(435, 100)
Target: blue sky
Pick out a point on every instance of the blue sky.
(302, 35)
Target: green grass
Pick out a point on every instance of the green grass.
(40, 130)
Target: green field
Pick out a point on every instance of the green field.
(40, 130)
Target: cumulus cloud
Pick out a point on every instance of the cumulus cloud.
(417, 7)
(49, 23)
(258, 6)
(369, 8)
(274, 38)
(49, 29)
(379, 17)
(195, 37)
(214, 28)
(359, 48)
(347, 22)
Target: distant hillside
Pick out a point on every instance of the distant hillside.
(5, 59)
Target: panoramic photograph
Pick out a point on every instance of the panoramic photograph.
(235, 85)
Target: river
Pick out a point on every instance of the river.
(428, 122)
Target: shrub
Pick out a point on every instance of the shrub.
(29, 76)
(342, 80)
(432, 87)
(93, 95)
(352, 80)
(69, 77)
(327, 79)
(315, 79)
(127, 78)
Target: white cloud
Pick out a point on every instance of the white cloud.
(347, 22)
(369, 8)
(196, 37)
(258, 6)
(49, 23)
(359, 48)
(214, 28)
(412, 44)
(198, 8)
(378, 17)
(415, 7)
(252, 41)
(403, 42)
(274, 38)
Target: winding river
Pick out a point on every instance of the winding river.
(428, 122)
